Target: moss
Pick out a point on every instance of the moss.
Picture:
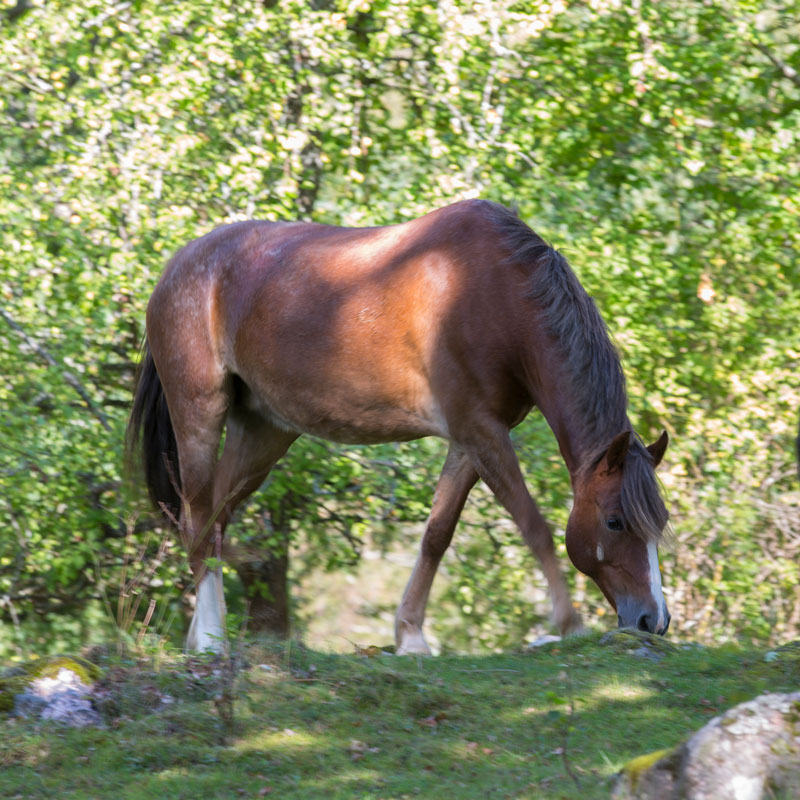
(50, 667)
(783, 748)
(636, 767)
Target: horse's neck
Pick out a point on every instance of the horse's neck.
(578, 438)
(567, 430)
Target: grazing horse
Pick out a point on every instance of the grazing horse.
(455, 325)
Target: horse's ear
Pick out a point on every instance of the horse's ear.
(617, 450)
(658, 448)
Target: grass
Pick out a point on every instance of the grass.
(556, 722)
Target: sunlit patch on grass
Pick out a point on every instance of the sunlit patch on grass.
(357, 778)
(171, 774)
(284, 740)
(625, 692)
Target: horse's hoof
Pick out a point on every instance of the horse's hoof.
(405, 651)
(413, 645)
(571, 625)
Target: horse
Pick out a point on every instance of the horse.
(454, 325)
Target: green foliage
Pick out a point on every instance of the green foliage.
(655, 143)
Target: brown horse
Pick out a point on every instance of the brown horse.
(453, 325)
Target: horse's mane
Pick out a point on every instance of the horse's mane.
(640, 498)
(591, 366)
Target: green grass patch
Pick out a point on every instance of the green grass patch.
(556, 722)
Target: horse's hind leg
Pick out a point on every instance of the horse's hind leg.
(457, 478)
(252, 446)
(198, 394)
(198, 413)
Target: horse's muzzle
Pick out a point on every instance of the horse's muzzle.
(632, 615)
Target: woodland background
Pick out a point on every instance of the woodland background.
(655, 143)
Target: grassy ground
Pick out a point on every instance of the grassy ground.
(293, 723)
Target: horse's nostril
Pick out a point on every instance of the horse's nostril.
(643, 617)
(649, 623)
(645, 623)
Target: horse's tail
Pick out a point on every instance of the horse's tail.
(150, 438)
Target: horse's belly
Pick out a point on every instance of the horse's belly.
(351, 414)
(369, 428)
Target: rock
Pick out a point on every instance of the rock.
(750, 752)
(56, 689)
(61, 699)
(27, 704)
(645, 652)
(659, 782)
(638, 643)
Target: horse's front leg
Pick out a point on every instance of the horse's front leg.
(457, 478)
(492, 454)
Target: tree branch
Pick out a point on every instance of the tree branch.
(65, 374)
(788, 72)
(18, 10)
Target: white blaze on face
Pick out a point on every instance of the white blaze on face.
(655, 584)
(600, 552)
(207, 631)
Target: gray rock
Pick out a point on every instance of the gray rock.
(645, 652)
(28, 704)
(64, 699)
(750, 752)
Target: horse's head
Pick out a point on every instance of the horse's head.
(613, 531)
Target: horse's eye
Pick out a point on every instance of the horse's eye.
(614, 524)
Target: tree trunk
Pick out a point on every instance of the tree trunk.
(267, 592)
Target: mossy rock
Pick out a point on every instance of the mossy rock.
(626, 639)
(636, 767)
(784, 660)
(16, 679)
(787, 653)
(583, 640)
